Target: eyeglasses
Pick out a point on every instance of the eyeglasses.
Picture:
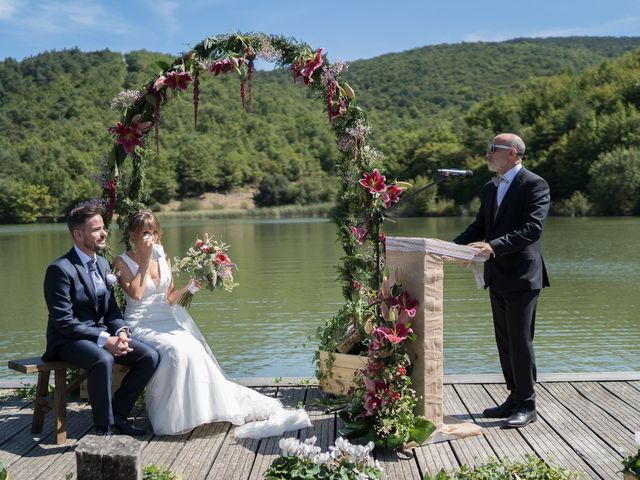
(493, 147)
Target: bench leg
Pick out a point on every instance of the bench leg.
(60, 405)
(40, 403)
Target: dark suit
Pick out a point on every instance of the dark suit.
(515, 275)
(76, 318)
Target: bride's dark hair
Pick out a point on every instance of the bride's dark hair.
(144, 219)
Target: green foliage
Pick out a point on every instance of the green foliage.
(576, 206)
(615, 182)
(3, 470)
(153, 472)
(55, 113)
(532, 469)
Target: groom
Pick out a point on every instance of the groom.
(86, 328)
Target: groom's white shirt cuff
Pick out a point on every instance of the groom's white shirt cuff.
(103, 336)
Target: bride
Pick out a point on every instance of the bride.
(188, 388)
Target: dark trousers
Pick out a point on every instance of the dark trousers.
(98, 362)
(514, 316)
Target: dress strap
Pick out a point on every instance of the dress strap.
(133, 266)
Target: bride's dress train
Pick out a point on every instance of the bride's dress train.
(189, 388)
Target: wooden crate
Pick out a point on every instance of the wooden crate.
(340, 378)
(119, 371)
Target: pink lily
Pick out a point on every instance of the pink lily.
(311, 66)
(405, 303)
(130, 136)
(173, 80)
(360, 234)
(374, 182)
(392, 195)
(225, 65)
(398, 333)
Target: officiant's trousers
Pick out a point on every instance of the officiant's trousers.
(514, 315)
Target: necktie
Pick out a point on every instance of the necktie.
(498, 179)
(98, 283)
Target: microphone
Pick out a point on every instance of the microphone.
(452, 172)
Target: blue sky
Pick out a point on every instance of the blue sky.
(346, 29)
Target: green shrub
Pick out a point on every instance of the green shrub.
(532, 469)
(3, 471)
(615, 182)
(153, 472)
(576, 206)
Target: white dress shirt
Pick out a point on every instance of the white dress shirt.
(505, 184)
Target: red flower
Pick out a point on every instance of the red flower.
(360, 234)
(206, 249)
(225, 65)
(405, 303)
(222, 258)
(402, 370)
(173, 80)
(392, 195)
(311, 66)
(199, 243)
(374, 182)
(395, 397)
(130, 136)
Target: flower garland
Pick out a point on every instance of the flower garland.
(382, 402)
(363, 193)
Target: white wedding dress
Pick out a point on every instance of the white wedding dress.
(189, 388)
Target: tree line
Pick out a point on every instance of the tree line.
(575, 102)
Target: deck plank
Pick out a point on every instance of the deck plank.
(269, 449)
(545, 441)
(599, 420)
(582, 425)
(471, 450)
(505, 443)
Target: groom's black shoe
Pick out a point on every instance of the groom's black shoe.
(501, 411)
(520, 418)
(123, 426)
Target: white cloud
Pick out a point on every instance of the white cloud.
(52, 16)
(8, 8)
(166, 9)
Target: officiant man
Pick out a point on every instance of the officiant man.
(508, 227)
(86, 328)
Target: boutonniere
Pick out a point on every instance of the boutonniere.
(111, 280)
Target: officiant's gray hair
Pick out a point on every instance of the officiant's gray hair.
(516, 142)
(142, 220)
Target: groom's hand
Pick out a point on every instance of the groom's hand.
(118, 346)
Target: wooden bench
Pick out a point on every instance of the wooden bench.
(42, 403)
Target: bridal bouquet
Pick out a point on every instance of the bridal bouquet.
(208, 262)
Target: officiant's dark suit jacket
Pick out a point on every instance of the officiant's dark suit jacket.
(74, 311)
(514, 234)
(515, 275)
(76, 318)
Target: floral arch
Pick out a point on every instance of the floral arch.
(362, 194)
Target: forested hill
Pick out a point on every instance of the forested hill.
(423, 105)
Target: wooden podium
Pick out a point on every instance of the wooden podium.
(417, 263)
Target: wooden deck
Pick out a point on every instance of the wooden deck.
(584, 424)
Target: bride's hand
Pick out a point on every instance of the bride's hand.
(145, 246)
(193, 286)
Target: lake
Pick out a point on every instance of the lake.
(586, 322)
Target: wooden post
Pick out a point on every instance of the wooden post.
(417, 263)
(115, 457)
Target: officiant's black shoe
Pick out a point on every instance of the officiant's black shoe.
(520, 418)
(123, 426)
(501, 411)
(103, 431)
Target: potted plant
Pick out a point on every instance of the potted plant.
(631, 463)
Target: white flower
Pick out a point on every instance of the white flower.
(111, 280)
